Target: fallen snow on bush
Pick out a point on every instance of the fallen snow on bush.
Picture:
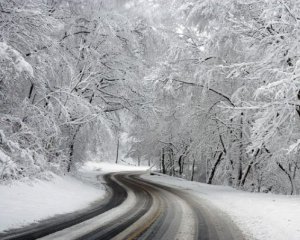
(11, 54)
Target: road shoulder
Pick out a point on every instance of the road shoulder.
(260, 216)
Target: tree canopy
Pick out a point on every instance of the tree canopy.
(206, 90)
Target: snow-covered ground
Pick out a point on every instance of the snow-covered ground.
(22, 203)
(105, 167)
(83, 228)
(260, 216)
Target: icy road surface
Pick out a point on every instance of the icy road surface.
(136, 208)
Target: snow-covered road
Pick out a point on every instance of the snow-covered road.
(141, 210)
(259, 216)
(153, 207)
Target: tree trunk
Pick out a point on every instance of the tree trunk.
(70, 163)
(181, 161)
(248, 169)
(30, 92)
(139, 160)
(214, 168)
(246, 174)
(289, 176)
(171, 156)
(193, 169)
(240, 166)
(163, 161)
(180, 164)
(117, 152)
(294, 171)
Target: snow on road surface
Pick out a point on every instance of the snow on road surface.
(23, 203)
(90, 225)
(260, 216)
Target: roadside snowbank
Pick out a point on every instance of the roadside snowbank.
(23, 203)
(260, 216)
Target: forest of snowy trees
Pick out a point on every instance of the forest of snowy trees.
(206, 90)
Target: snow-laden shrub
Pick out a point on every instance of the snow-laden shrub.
(7, 53)
(30, 136)
(24, 150)
(16, 75)
(16, 162)
(7, 166)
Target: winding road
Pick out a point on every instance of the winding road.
(135, 208)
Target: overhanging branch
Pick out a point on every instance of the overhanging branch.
(210, 89)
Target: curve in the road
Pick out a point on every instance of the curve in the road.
(211, 224)
(111, 229)
(116, 195)
(168, 219)
(139, 209)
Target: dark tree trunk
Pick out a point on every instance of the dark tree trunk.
(193, 169)
(139, 160)
(180, 164)
(289, 176)
(297, 107)
(71, 156)
(246, 173)
(181, 161)
(163, 161)
(240, 166)
(248, 169)
(72, 144)
(294, 171)
(117, 152)
(171, 156)
(214, 168)
(30, 91)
